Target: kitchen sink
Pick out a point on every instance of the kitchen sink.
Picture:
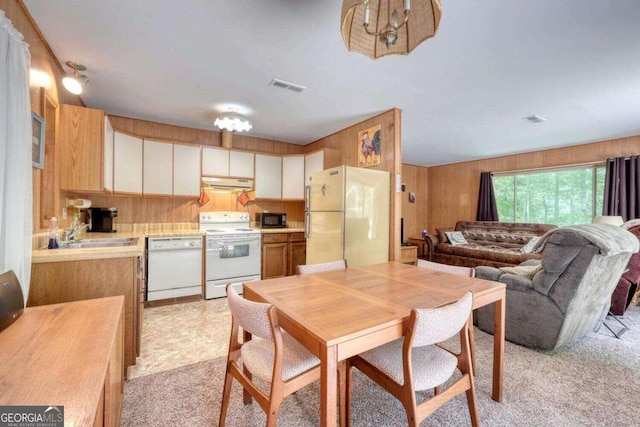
(102, 243)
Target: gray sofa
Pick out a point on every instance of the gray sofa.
(569, 291)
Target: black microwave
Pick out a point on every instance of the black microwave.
(271, 220)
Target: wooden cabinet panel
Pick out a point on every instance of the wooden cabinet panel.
(241, 164)
(297, 256)
(157, 168)
(57, 282)
(186, 170)
(274, 260)
(282, 253)
(81, 148)
(268, 175)
(215, 161)
(293, 177)
(127, 164)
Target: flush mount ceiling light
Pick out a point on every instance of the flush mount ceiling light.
(75, 84)
(233, 121)
(375, 29)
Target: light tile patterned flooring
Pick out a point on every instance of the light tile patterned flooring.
(181, 334)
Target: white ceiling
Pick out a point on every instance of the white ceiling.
(463, 93)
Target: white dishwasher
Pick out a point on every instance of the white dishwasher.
(174, 267)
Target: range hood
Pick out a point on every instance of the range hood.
(228, 183)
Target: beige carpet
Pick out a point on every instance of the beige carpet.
(594, 382)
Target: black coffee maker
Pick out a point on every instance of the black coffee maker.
(100, 220)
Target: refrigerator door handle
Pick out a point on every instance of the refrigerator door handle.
(307, 198)
(307, 224)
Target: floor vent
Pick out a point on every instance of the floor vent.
(286, 85)
(535, 119)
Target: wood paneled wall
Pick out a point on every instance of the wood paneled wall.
(346, 142)
(415, 179)
(165, 132)
(44, 64)
(453, 189)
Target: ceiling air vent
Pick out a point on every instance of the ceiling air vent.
(286, 85)
(535, 119)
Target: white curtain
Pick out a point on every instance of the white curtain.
(16, 198)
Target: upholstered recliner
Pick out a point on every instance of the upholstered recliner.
(628, 284)
(570, 294)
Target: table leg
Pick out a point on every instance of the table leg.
(498, 347)
(328, 385)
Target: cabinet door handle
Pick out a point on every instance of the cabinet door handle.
(307, 224)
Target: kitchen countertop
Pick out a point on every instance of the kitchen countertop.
(281, 230)
(40, 255)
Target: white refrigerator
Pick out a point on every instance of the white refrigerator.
(347, 216)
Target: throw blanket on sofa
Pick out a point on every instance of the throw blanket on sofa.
(609, 238)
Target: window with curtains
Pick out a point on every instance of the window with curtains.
(562, 197)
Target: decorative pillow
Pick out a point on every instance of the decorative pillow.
(442, 236)
(523, 270)
(528, 248)
(456, 238)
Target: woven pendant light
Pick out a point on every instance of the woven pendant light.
(390, 38)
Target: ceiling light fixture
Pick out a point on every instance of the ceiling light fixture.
(232, 121)
(75, 84)
(362, 19)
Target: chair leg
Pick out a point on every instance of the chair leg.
(622, 330)
(226, 394)
(472, 347)
(472, 403)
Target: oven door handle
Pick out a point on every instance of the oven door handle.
(224, 242)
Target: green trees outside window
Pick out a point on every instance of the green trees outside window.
(560, 196)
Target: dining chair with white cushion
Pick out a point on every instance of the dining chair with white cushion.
(325, 266)
(271, 355)
(415, 363)
(460, 271)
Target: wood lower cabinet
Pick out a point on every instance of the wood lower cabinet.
(274, 255)
(297, 252)
(282, 253)
(65, 281)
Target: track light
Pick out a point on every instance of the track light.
(76, 83)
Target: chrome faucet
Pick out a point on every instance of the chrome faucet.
(71, 234)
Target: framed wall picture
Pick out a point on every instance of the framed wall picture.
(369, 146)
(37, 141)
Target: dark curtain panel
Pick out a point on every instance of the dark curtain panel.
(622, 188)
(487, 208)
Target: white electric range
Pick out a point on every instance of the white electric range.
(233, 251)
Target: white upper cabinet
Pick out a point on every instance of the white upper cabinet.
(241, 164)
(186, 170)
(157, 168)
(127, 164)
(268, 176)
(293, 177)
(313, 162)
(215, 161)
(108, 155)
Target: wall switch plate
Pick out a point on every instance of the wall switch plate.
(64, 213)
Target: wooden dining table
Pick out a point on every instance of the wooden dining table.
(338, 314)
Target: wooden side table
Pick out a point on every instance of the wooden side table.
(409, 254)
(419, 242)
